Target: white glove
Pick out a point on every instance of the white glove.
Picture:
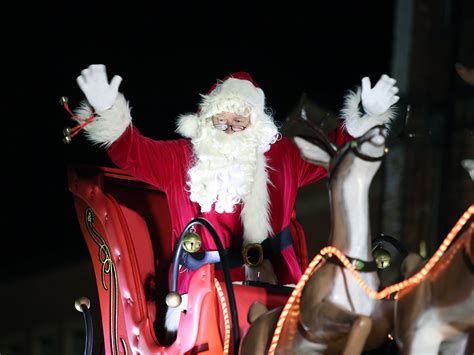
(377, 100)
(95, 86)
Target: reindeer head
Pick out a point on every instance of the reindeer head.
(362, 155)
(351, 169)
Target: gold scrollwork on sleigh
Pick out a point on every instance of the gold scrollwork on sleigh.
(108, 268)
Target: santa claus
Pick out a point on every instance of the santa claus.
(232, 168)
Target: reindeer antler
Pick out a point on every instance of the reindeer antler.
(465, 73)
(404, 132)
(320, 135)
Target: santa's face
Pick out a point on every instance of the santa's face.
(230, 122)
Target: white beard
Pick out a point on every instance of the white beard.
(231, 169)
(225, 164)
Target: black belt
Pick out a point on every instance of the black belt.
(251, 254)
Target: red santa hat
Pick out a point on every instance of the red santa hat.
(237, 93)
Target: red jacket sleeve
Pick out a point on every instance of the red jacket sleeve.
(340, 136)
(155, 162)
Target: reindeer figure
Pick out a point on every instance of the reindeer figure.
(335, 313)
(437, 314)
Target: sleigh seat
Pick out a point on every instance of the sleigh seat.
(126, 226)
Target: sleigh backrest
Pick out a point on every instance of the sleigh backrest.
(126, 226)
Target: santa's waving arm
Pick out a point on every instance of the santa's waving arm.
(146, 159)
(113, 114)
(99, 92)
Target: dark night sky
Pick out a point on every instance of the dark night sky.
(167, 55)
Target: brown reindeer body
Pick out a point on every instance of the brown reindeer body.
(438, 313)
(336, 315)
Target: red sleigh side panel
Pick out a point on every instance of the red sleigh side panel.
(127, 230)
(119, 218)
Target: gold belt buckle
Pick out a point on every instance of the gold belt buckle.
(252, 254)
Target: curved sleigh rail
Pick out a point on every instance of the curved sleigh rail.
(83, 305)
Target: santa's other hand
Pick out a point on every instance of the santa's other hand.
(377, 100)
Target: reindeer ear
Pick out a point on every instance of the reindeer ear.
(312, 152)
(468, 164)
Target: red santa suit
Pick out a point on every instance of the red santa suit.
(164, 164)
(262, 211)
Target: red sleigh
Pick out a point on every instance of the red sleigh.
(127, 229)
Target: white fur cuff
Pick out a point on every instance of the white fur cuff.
(109, 125)
(355, 124)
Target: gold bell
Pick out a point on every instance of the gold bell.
(192, 242)
(382, 259)
(67, 131)
(63, 100)
(67, 139)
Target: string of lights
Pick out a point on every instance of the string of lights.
(292, 305)
(225, 314)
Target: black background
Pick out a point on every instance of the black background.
(167, 55)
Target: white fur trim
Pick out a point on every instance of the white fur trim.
(109, 125)
(187, 125)
(355, 124)
(232, 95)
(256, 209)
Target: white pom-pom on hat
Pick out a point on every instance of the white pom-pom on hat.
(187, 125)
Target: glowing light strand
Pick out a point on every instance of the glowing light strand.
(293, 300)
(225, 314)
(294, 297)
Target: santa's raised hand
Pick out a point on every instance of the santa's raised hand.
(377, 100)
(99, 92)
